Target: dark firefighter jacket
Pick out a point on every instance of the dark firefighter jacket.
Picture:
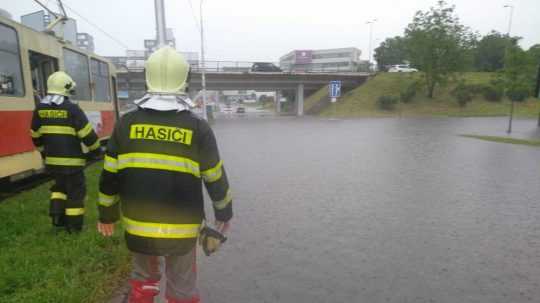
(153, 171)
(57, 131)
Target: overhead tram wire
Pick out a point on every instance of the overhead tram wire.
(194, 17)
(97, 27)
(197, 21)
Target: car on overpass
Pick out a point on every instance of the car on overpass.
(402, 68)
(265, 67)
(240, 110)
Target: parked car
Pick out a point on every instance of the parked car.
(402, 68)
(240, 110)
(265, 67)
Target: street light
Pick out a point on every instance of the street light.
(511, 7)
(203, 68)
(371, 23)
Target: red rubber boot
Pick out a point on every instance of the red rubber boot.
(143, 291)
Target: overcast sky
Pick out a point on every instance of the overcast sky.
(251, 30)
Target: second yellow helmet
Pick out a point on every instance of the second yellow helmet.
(60, 83)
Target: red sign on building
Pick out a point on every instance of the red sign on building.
(303, 56)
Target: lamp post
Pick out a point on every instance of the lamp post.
(511, 7)
(203, 67)
(160, 23)
(371, 23)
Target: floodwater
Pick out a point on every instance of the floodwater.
(377, 210)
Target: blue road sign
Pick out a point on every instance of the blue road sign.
(335, 89)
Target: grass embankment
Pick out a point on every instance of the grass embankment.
(505, 140)
(361, 102)
(313, 100)
(38, 264)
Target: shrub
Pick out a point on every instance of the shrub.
(518, 94)
(387, 102)
(492, 93)
(463, 93)
(408, 94)
(477, 89)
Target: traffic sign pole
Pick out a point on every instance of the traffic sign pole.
(334, 91)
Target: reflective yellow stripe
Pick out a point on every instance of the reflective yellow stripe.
(161, 230)
(223, 203)
(57, 130)
(65, 161)
(35, 134)
(74, 211)
(107, 200)
(213, 174)
(158, 161)
(110, 164)
(94, 146)
(85, 131)
(58, 195)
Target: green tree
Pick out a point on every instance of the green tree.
(518, 76)
(490, 51)
(534, 53)
(392, 51)
(439, 45)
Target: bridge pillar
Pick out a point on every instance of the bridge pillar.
(277, 101)
(300, 100)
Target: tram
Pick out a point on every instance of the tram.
(27, 58)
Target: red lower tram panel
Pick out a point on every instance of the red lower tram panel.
(15, 129)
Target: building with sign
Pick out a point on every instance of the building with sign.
(321, 60)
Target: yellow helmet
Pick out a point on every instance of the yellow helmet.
(166, 72)
(60, 83)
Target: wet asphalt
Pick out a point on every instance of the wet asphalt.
(377, 210)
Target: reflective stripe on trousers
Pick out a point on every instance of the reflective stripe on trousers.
(74, 211)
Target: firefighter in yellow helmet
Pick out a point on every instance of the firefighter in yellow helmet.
(156, 161)
(58, 128)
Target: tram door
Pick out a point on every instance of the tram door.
(42, 66)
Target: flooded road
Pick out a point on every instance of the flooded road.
(377, 210)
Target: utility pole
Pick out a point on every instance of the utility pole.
(508, 45)
(371, 23)
(203, 67)
(160, 23)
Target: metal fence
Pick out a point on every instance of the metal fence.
(245, 67)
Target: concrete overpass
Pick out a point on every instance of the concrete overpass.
(299, 83)
(276, 81)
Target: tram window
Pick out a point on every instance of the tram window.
(11, 81)
(76, 65)
(41, 67)
(100, 79)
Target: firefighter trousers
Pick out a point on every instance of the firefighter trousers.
(67, 200)
(180, 276)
